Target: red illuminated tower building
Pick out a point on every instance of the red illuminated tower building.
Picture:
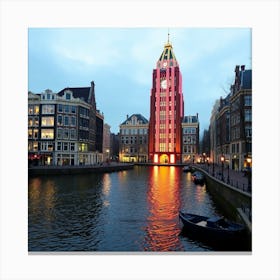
(166, 110)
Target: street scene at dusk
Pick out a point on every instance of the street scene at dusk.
(174, 174)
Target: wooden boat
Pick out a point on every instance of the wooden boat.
(198, 178)
(213, 229)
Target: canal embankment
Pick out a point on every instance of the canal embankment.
(234, 201)
(82, 169)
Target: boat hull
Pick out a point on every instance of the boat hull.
(197, 227)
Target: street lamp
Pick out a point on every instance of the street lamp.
(249, 172)
(222, 160)
(228, 174)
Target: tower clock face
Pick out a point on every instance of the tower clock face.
(164, 64)
(163, 84)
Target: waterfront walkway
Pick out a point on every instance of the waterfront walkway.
(78, 169)
(236, 179)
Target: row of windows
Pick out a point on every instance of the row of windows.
(33, 121)
(66, 120)
(189, 149)
(133, 140)
(68, 109)
(60, 146)
(33, 109)
(189, 130)
(65, 146)
(45, 133)
(133, 131)
(67, 134)
(189, 139)
(49, 109)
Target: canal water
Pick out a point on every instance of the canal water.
(128, 211)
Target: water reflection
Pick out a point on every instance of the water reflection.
(134, 210)
(163, 203)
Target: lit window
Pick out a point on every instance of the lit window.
(36, 109)
(47, 121)
(156, 158)
(35, 133)
(48, 109)
(29, 133)
(47, 134)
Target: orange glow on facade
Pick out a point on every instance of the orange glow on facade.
(172, 158)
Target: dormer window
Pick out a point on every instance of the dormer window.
(68, 94)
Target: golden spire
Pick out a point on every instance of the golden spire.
(168, 44)
(168, 36)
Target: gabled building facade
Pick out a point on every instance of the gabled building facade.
(241, 118)
(62, 127)
(166, 110)
(134, 139)
(190, 137)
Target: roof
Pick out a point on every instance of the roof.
(190, 119)
(167, 53)
(78, 92)
(139, 118)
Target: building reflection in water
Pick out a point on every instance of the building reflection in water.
(106, 188)
(162, 230)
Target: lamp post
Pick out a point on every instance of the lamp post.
(249, 173)
(222, 160)
(228, 174)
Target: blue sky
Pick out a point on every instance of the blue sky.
(120, 61)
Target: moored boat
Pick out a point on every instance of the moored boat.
(198, 178)
(211, 228)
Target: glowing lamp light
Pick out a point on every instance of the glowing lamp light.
(156, 158)
(172, 158)
(249, 160)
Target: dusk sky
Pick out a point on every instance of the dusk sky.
(120, 61)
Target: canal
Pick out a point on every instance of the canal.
(127, 211)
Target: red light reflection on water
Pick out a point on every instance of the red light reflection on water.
(163, 203)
